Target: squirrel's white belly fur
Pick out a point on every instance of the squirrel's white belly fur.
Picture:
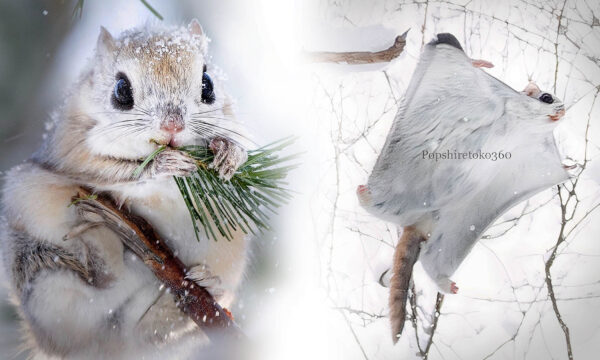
(127, 311)
(161, 204)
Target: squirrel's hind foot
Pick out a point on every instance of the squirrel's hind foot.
(364, 195)
(201, 275)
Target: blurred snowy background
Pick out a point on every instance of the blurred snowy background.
(503, 309)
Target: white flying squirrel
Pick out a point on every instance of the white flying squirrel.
(81, 294)
(453, 107)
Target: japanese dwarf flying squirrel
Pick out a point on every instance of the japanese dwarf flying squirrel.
(80, 293)
(445, 207)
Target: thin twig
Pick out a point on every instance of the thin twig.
(549, 284)
(566, 217)
(413, 318)
(439, 301)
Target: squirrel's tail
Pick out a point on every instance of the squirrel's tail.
(405, 256)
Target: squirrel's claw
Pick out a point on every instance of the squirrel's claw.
(173, 162)
(228, 157)
(201, 275)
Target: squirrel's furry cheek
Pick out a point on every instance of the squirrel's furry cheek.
(120, 147)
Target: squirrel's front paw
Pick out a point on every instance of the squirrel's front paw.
(481, 63)
(173, 162)
(559, 113)
(228, 157)
(201, 275)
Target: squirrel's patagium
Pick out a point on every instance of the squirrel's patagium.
(81, 294)
(444, 207)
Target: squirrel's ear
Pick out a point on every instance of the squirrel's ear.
(105, 43)
(195, 28)
(531, 89)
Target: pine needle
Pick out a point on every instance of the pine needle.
(152, 10)
(145, 163)
(219, 208)
(78, 9)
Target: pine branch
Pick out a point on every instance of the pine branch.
(220, 208)
(78, 9)
(139, 236)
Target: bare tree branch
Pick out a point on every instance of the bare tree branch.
(359, 57)
(566, 216)
(439, 301)
(549, 284)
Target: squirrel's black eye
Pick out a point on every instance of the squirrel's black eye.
(547, 98)
(208, 91)
(122, 97)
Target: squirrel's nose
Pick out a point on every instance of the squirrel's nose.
(172, 122)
